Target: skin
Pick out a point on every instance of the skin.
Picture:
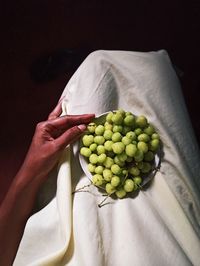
(49, 140)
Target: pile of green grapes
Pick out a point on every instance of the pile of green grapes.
(120, 151)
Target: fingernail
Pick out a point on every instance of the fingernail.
(82, 127)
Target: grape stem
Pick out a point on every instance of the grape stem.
(125, 178)
(81, 188)
(100, 187)
(101, 203)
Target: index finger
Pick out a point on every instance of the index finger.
(68, 121)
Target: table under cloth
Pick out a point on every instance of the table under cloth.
(161, 225)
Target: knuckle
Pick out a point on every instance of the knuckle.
(40, 126)
(52, 115)
(55, 147)
(74, 131)
(66, 118)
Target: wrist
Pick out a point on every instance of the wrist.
(14, 213)
(28, 178)
(21, 196)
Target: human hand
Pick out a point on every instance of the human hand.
(50, 139)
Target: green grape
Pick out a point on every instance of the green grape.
(137, 183)
(122, 157)
(117, 118)
(115, 181)
(136, 187)
(143, 137)
(87, 140)
(99, 130)
(117, 161)
(126, 140)
(125, 130)
(121, 193)
(110, 189)
(129, 159)
(118, 147)
(116, 137)
(109, 117)
(100, 149)
(149, 130)
(140, 165)
(124, 172)
(110, 154)
(108, 134)
(134, 171)
(116, 169)
(108, 145)
(97, 180)
(154, 144)
(142, 146)
(108, 162)
(99, 140)
(139, 155)
(129, 185)
(85, 152)
(99, 169)
(131, 135)
(102, 158)
(155, 136)
(128, 113)
(107, 174)
(93, 147)
(122, 112)
(93, 158)
(131, 150)
(146, 168)
(141, 121)
(137, 180)
(129, 120)
(138, 131)
(91, 168)
(149, 156)
(108, 126)
(117, 128)
(91, 127)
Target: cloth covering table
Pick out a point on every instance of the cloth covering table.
(161, 225)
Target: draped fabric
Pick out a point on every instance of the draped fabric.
(161, 225)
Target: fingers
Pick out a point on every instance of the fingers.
(69, 136)
(65, 122)
(56, 111)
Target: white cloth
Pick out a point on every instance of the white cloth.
(161, 225)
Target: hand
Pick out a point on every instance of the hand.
(50, 139)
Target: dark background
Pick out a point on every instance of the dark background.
(42, 42)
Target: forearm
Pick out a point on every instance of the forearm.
(14, 213)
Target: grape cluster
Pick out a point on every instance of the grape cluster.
(120, 151)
